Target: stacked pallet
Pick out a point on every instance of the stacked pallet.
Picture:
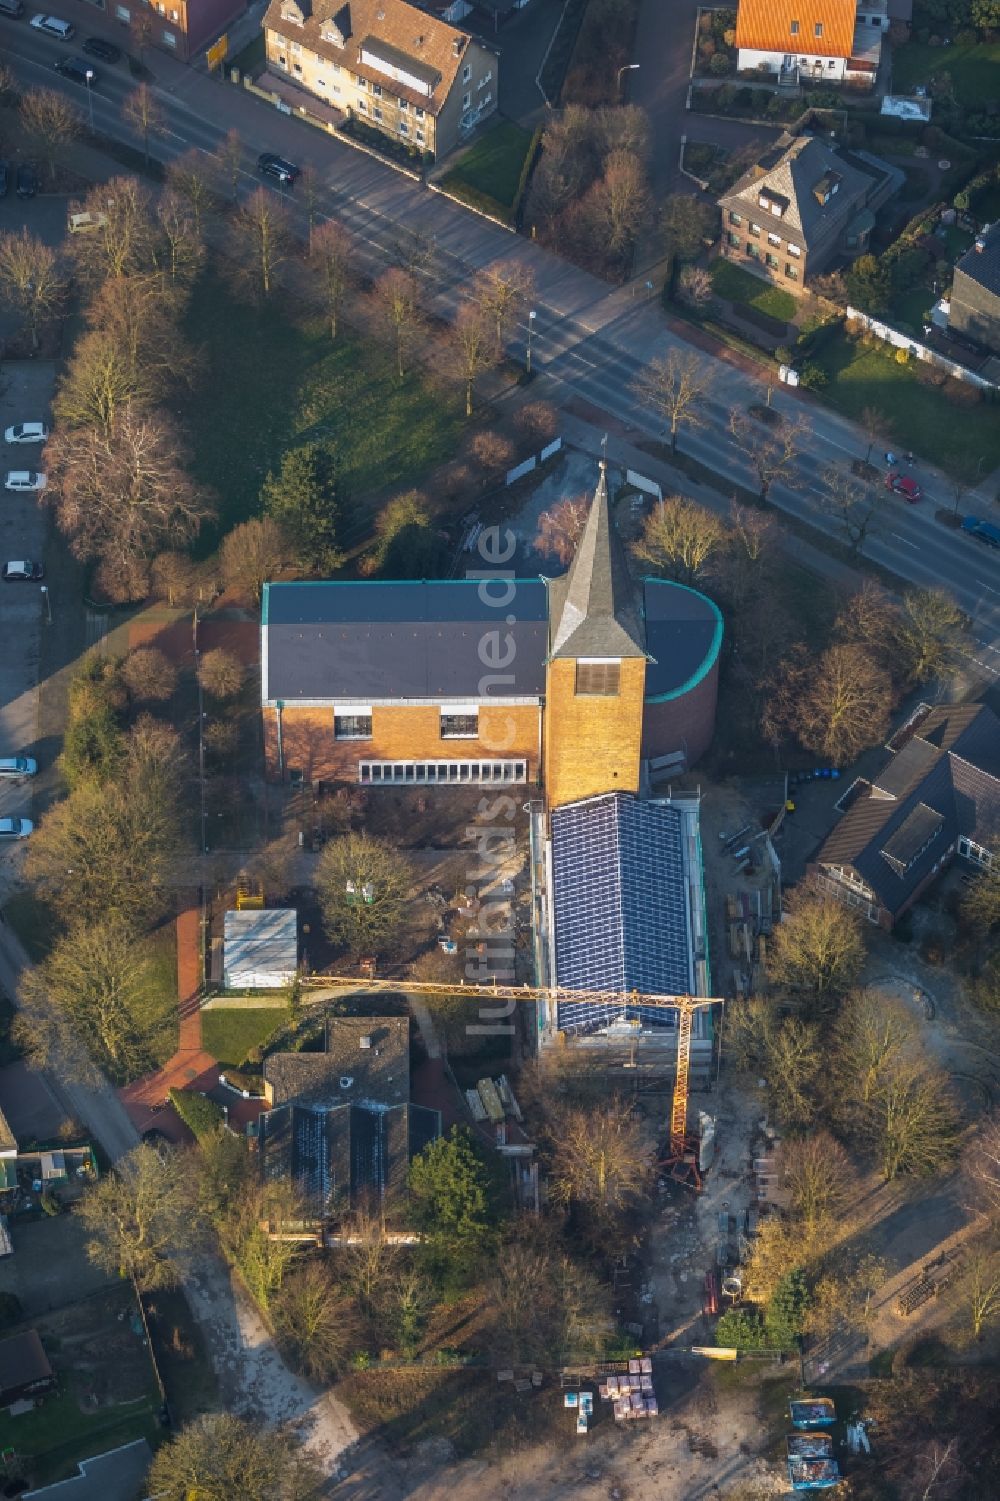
(631, 1394)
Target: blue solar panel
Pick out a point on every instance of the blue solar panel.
(621, 907)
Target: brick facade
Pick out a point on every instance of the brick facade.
(685, 723)
(592, 743)
(400, 732)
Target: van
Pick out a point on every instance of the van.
(15, 767)
(11, 8)
(86, 223)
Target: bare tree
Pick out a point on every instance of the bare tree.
(675, 388)
(251, 554)
(818, 950)
(795, 1063)
(836, 705)
(332, 252)
(143, 114)
(230, 158)
(122, 493)
(149, 674)
(99, 384)
(471, 347)
(910, 1121)
(977, 1292)
(491, 451)
(502, 291)
(856, 505)
(135, 320)
(363, 885)
(600, 1159)
(185, 248)
(310, 191)
(871, 422)
(561, 527)
(982, 1166)
(31, 280)
(220, 1455)
(770, 451)
(365, 1258)
(174, 576)
(694, 286)
(818, 1175)
(929, 633)
(50, 121)
(623, 200)
(320, 1329)
(220, 674)
(262, 235)
(679, 538)
(140, 30)
(537, 420)
(141, 1218)
(398, 308)
(124, 239)
(936, 1472)
(191, 177)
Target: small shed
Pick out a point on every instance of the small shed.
(260, 949)
(24, 1368)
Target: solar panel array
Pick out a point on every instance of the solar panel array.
(621, 907)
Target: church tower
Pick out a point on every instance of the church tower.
(595, 673)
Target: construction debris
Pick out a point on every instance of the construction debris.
(811, 1465)
(631, 1393)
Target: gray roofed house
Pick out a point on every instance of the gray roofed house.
(938, 796)
(803, 205)
(975, 293)
(116, 1475)
(593, 610)
(260, 948)
(366, 1060)
(383, 642)
(24, 1367)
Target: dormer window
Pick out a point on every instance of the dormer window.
(332, 34)
(795, 28)
(818, 29)
(291, 12)
(771, 204)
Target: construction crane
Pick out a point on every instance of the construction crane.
(682, 1155)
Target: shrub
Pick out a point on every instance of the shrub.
(537, 420)
(492, 450)
(902, 356)
(202, 1116)
(220, 674)
(149, 674)
(966, 37)
(813, 376)
(742, 1329)
(720, 65)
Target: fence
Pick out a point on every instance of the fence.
(919, 351)
(520, 470)
(642, 482)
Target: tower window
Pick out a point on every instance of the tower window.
(598, 679)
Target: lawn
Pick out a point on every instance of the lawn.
(973, 68)
(230, 1033)
(491, 168)
(275, 379)
(910, 309)
(157, 1018)
(918, 416)
(737, 285)
(58, 1432)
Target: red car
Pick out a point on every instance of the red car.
(902, 484)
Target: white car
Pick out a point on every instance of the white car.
(24, 479)
(26, 432)
(52, 26)
(15, 828)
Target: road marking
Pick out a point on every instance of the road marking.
(905, 541)
(988, 587)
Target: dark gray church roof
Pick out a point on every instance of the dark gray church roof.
(593, 608)
(683, 636)
(402, 639)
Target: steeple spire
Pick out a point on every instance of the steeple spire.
(592, 610)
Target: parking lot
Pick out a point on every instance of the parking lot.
(26, 396)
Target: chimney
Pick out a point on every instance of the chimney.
(365, 1042)
(980, 243)
(458, 44)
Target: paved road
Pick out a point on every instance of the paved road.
(590, 340)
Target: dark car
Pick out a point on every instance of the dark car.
(3, 180)
(27, 180)
(269, 165)
(77, 70)
(96, 46)
(23, 572)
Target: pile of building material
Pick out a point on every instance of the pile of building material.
(750, 917)
(493, 1100)
(632, 1393)
(811, 1465)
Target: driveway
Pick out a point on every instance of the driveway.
(522, 42)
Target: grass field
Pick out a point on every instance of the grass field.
(275, 379)
(737, 285)
(58, 1433)
(492, 166)
(229, 1034)
(158, 1018)
(918, 417)
(973, 67)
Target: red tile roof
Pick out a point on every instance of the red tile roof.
(766, 26)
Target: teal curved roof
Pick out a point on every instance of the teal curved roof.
(683, 637)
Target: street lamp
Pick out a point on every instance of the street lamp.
(531, 329)
(90, 95)
(48, 602)
(628, 68)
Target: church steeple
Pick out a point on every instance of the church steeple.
(592, 610)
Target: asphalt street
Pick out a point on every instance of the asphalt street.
(590, 341)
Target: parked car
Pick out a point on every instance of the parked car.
(902, 484)
(13, 767)
(77, 70)
(52, 26)
(24, 479)
(26, 432)
(27, 180)
(269, 165)
(983, 531)
(24, 572)
(96, 46)
(15, 828)
(4, 179)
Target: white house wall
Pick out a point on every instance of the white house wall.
(750, 60)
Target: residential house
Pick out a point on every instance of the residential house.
(183, 28)
(487, 680)
(939, 796)
(24, 1368)
(116, 1475)
(340, 1126)
(405, 72)
(828, 41)
(975, 292)
(803, 206)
